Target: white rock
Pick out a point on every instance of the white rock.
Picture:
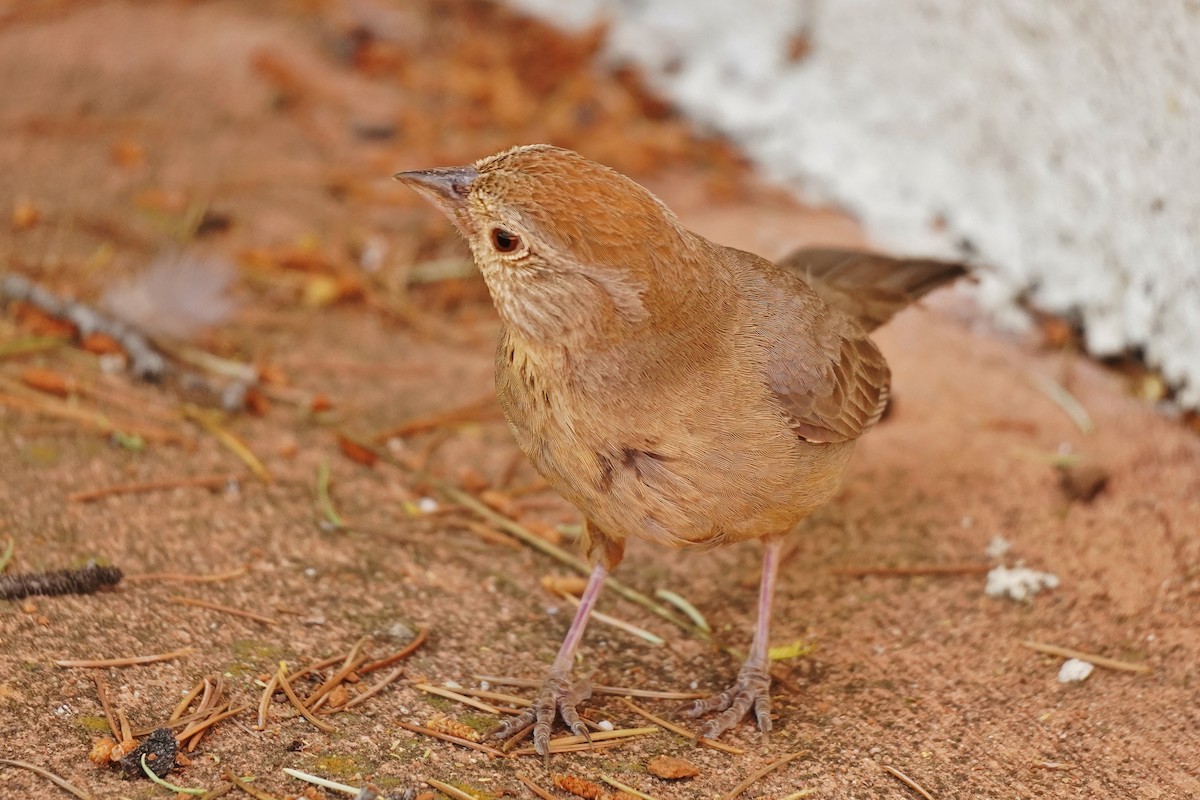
(998, 547)
(1073, 671)
(1019, 583)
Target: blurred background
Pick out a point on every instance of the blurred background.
(1053, 142)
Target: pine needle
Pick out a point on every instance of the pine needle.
(907, 781)
(127, 662)
(1099, 661)
(687, 608)
(322, 782)
(760, 774)
(61, 783)
(624, 787)
(165, 784)
(231, 442)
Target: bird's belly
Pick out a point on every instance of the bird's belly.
(671, 484)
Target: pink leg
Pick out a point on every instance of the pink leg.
(752, 689)
(558, 695)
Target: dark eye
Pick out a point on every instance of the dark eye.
(504, 241)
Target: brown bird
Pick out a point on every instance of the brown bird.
(669, 387)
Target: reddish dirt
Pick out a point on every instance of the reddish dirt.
(123, 121)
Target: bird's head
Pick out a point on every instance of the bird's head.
(568, 247)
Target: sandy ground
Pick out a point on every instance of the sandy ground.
(121, 120)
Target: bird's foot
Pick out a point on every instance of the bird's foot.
(558, 696)
(751, 691)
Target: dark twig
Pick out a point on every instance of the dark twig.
(62, 581)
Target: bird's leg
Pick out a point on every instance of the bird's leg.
(558, 694)
(752, 689)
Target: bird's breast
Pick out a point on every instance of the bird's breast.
(683, 462)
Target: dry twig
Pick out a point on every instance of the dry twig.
(211, 606)
(597, 688)
(131, 661)
(257, 794)
(282, 680)
(759, 774)
(450, 791)
(483, 748)
(235, 445)
(102, 693)
(907, 781)
(374, 690)
(450, 695)
(1099, 661)
(399, 655)
(183, 577)
(565, 744)
(204, 482)
(673, 728)
(533, 787)
(624, 787)
(61, 783)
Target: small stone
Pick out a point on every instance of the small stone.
(1074, 671)
(671, 768)
(1083, 483)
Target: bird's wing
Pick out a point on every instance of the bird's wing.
(869, 287)
(830, 379)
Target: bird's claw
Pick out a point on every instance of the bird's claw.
(751, 691)
(557, 697)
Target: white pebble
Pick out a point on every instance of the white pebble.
(998, 547)
(1073, 671)
(427, 505)
(605, 725)
(452, 685)
(1019, 583)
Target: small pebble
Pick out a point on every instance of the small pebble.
(1074, 671)
(605, 725)
(427, 505)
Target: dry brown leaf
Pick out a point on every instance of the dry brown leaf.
(671, 768)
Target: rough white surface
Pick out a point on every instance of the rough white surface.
(1060, 140)
(1073, 671)
(1019, 583)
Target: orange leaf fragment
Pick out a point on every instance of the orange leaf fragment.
(671, 768)
(47, 381)
(25, 215)
(127, 153)
(40, 323)
(356, 452)
(101, 344)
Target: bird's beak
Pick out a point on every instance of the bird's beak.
(445, 187)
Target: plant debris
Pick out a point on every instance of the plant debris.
(1082, 483)
(158, 750)
(87, 580)
(672, 768)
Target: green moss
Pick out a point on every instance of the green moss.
(93, 723)
(256, 650)
(480, 723)
(336, 766)
(440, 703)
(479, 794)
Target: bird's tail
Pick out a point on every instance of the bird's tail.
(869, 287)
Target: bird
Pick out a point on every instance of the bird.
(670, 388)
